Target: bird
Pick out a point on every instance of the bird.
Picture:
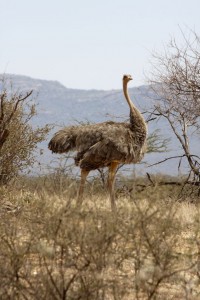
(106, 144)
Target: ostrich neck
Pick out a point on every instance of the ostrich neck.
(136, 119)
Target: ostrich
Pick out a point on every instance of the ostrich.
(106, 144)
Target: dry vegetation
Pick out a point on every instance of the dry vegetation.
(51, 250)
(148, 249)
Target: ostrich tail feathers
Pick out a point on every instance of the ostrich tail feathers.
(64, 140)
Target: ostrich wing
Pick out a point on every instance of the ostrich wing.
(98, 144)
(64, 140)
(114, 142)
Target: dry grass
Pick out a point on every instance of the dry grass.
(52, 250)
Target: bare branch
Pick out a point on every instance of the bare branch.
(175, 82)
(166, 159)
(19, 99)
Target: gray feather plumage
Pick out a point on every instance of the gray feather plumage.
(97, 145)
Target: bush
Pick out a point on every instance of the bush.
(18, 138)
(52, 250)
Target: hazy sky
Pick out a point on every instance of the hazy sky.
(89, 43)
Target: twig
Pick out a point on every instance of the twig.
(149, 177)
(168, 158)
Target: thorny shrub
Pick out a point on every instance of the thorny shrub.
(19, 137)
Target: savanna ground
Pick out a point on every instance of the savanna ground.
(149, 249)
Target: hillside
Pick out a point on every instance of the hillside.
(61, 106)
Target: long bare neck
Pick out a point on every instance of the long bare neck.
(136, 119)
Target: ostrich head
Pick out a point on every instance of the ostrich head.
(127, 78)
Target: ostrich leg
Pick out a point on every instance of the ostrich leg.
(84, 174)
(111, 183)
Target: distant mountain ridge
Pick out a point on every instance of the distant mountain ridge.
(60, 105)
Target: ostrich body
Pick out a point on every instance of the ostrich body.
(106, 144)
